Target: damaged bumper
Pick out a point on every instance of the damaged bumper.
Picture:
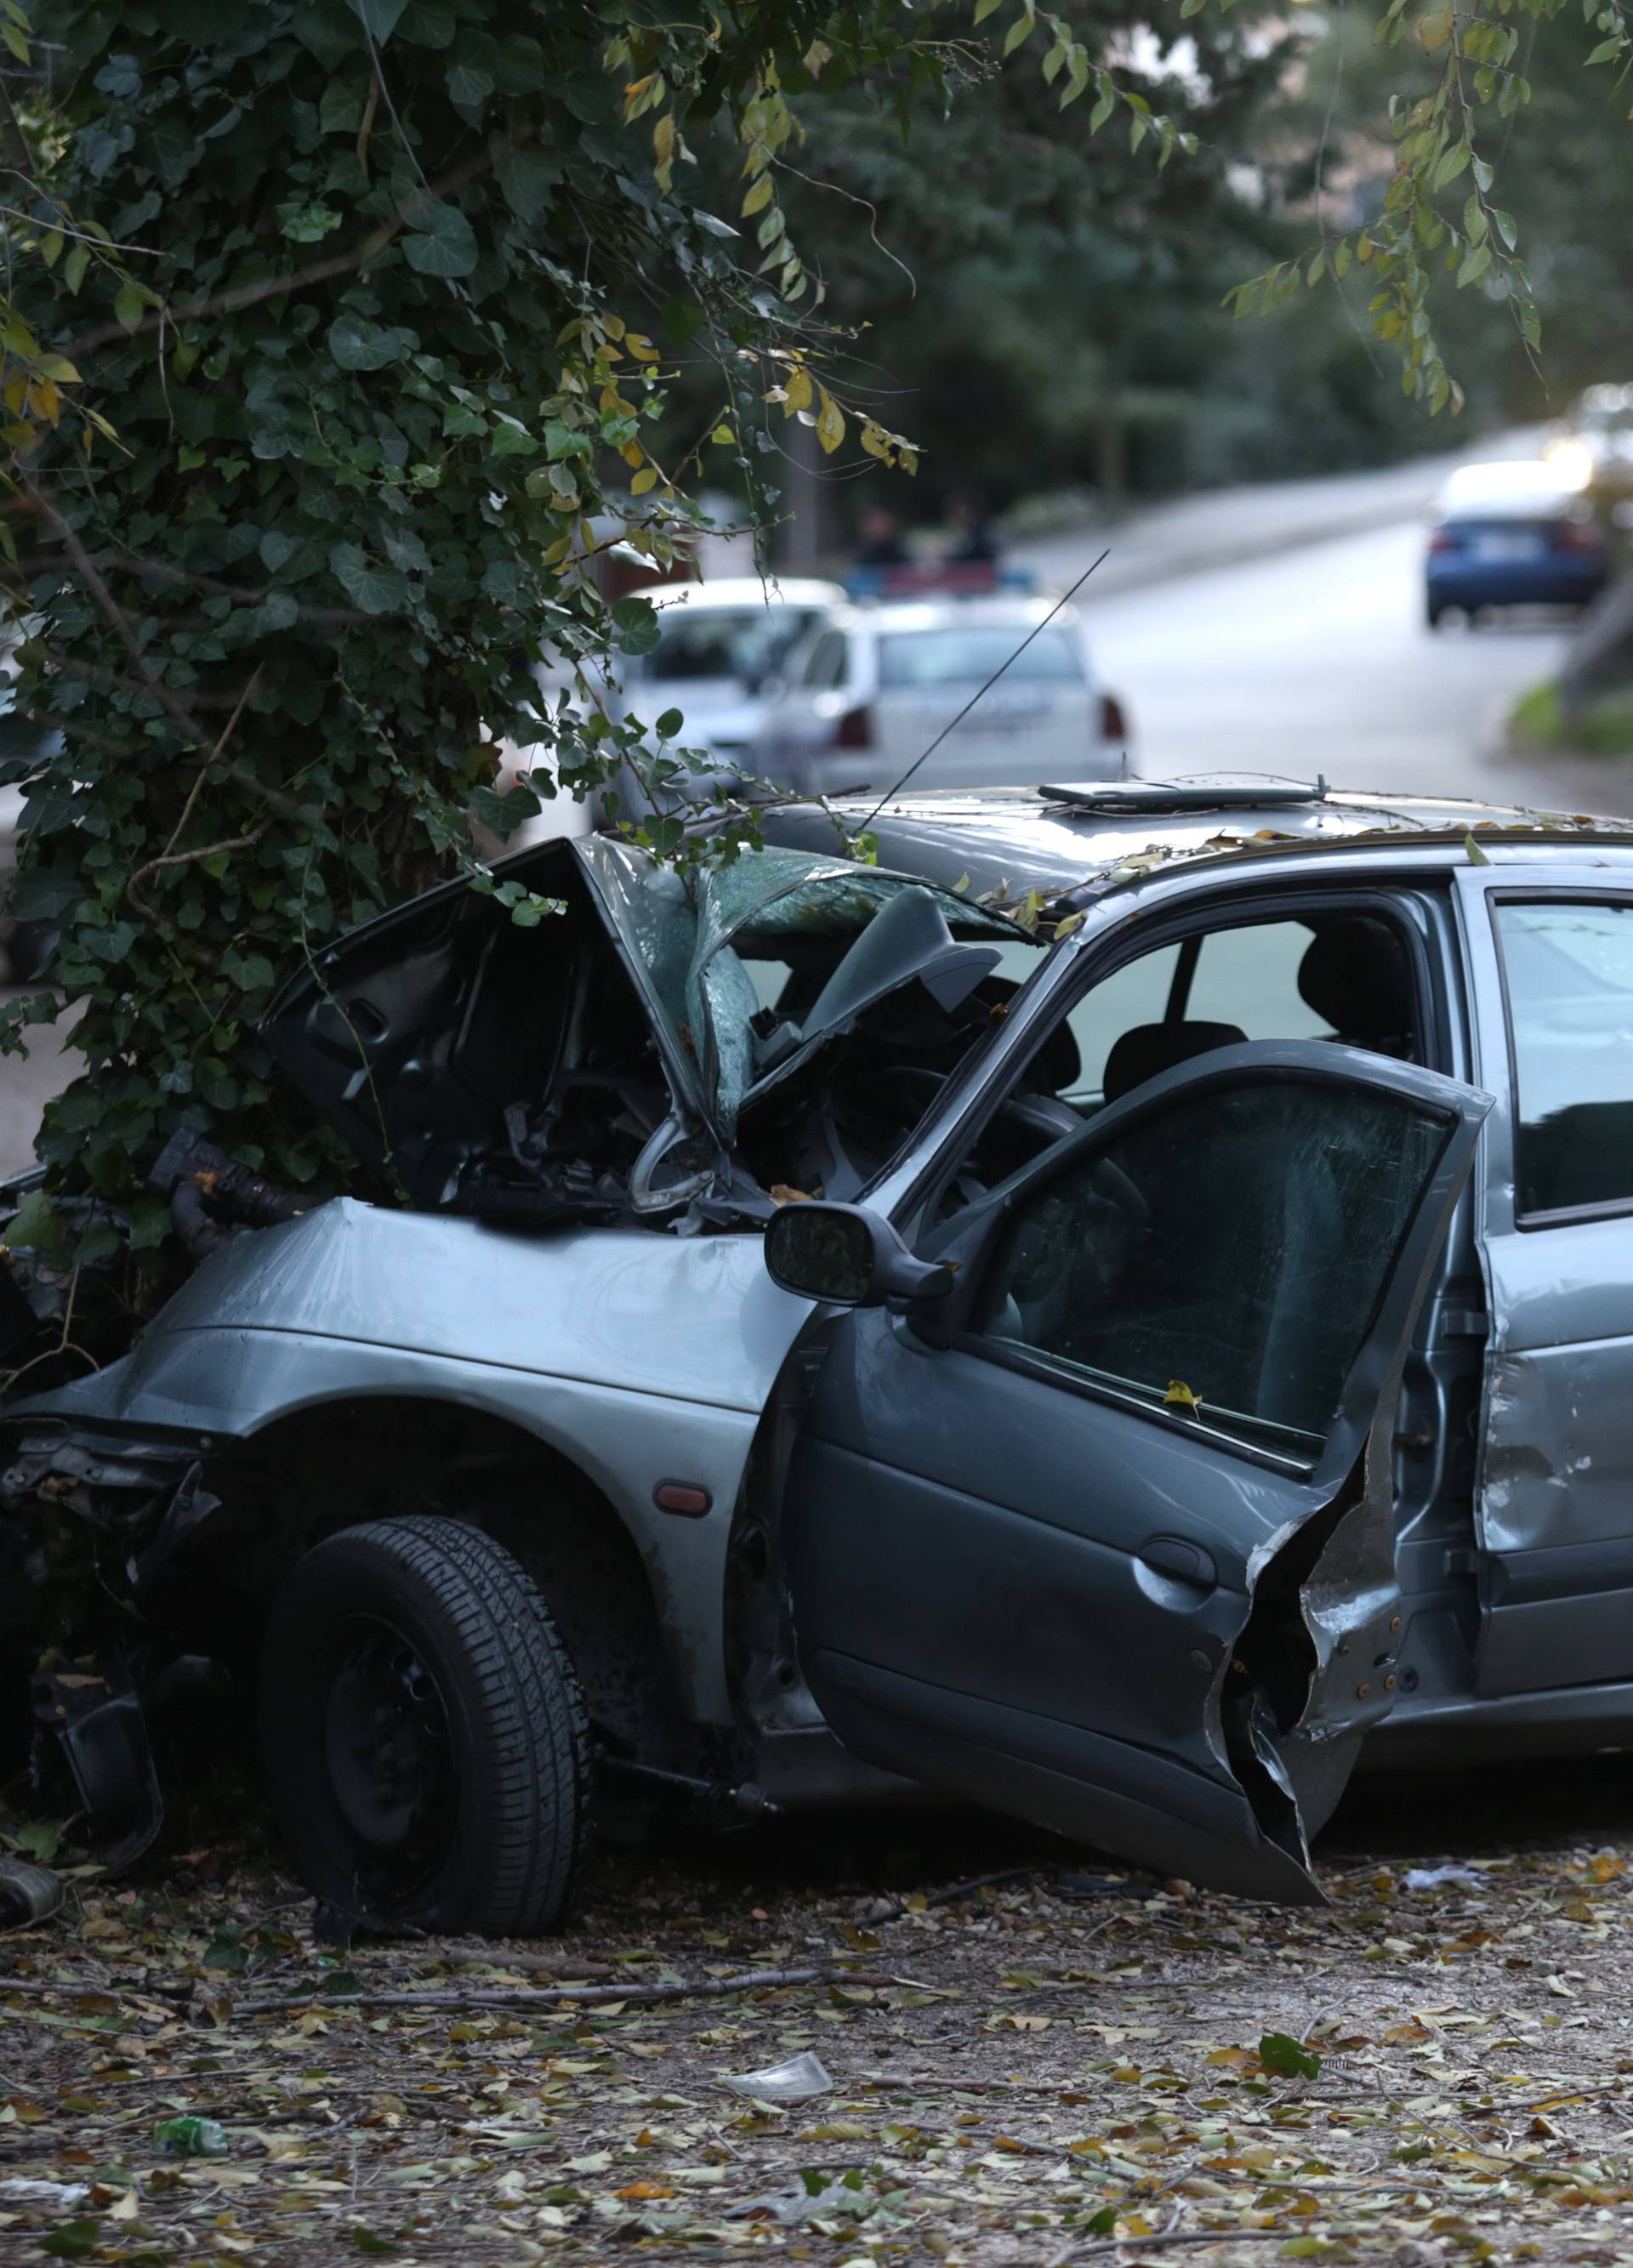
(88, 1521)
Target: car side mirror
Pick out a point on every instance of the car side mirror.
(847, 1257)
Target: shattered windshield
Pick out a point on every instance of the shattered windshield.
(701, 944)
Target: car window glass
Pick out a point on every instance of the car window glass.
(1229, 1252)
(1570, 979)
(1344, 977)
(969, 654)
(824, 664)
(1249, 977)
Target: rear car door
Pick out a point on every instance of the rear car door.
(1106, 1540)
(1551, 961)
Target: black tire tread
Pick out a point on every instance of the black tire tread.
(538, 1777)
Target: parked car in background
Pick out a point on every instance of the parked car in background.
(719, 646)
(1516, 533)
(1592, 446)
(870, 686)
(822, 1338)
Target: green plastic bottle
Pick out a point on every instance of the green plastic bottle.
(193, 2138)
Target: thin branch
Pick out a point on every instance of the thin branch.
(189, 858)
(522, 1996)
(171, 856)
(871, 211)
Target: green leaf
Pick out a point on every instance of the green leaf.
(381, 17)
(636, 621)
(376, 590)
(469, 88)
(1020, 30)
(130, 304)
(73, 2239)
(1475, 263)
(681, 320)
(1434, 29)
(443, 243)
(308, 222)
(527, 177)
(1280, 2052)
(669, 724)
(1453, 164)
(355, 344)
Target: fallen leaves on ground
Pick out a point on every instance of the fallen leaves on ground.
(1060, 2066)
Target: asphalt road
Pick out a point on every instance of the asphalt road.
(1313, 661)
(1318, 661)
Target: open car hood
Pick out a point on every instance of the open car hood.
(601, 1058)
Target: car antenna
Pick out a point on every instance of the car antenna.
(1065, 600)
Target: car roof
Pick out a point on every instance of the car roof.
(745, 591)
(1514, 484)
(1080, 841)
(1007, 612)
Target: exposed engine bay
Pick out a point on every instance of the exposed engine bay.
(658, 1043)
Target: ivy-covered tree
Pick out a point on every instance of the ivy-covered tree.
(328, 450)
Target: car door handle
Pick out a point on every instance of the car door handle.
(1182, 1562)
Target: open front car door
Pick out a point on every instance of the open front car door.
(1090, 1517)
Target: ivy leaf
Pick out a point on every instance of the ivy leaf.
(469, 88)
(376, 590)
(443, 243)
(527, 178)
(276, 549)
(380, 17)
(503, 815)
(355, 344)
(307, 223)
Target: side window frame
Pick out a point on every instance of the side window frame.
(1237, 909)
(1529, 1224)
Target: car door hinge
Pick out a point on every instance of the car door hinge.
(1462, 1323)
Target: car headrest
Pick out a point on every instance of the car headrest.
(1147, 1050)
(1356, 974)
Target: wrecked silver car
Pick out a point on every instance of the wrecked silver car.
(793, 1359)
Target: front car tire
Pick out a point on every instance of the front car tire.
(426, 1745)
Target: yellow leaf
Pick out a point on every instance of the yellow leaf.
(663, 146)
(646, 478)
(641, 346)
(873, 439)
(797, 391)
(830, 424)
(1180, 1397)
(632, 453)
(759, 195)
(1435, 29)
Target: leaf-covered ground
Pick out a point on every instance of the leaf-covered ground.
(1062, 2065)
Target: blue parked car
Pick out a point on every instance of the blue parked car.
(1512, 535)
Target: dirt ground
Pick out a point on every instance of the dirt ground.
(1067, 2064)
